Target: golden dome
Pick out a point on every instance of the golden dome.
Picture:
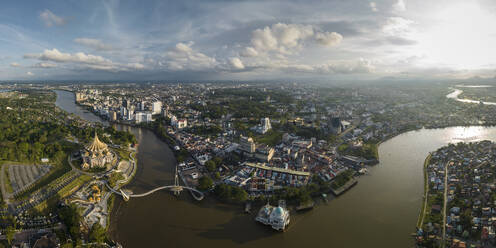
(96, 145)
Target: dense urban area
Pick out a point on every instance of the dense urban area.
(280, 146)
(460, 197)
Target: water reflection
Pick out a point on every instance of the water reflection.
(466, 134)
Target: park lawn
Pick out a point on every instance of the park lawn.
(123, 153)
(342, 178)
(367, 150)
(270, 138)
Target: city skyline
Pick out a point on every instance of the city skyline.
(247, 40)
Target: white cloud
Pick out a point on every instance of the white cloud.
(93, 43)
(236, 63)
(280, 37)
(135, 66)
(85, 60)
(249, 52)
(397, 26)
(286, 39)
(51, 19)
(399, 6)
(29, 73)
(373, 6)
(328, 38)
(57, 56)
(44, 65)
(354, 66)
(15, 64)
(184, 57)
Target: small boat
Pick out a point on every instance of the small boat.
(324, 196)
(248, 207)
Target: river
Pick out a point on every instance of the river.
(457, 92)
(381, 211)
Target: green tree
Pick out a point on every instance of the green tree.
(10, 232)
(211, 166)
(205, 183)
(217, 175)
(97, 233)
(71, 218)
(239, 194)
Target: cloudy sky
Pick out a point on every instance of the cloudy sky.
(191, 40)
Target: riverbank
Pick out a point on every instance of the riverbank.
(426, 192)
(348, 185)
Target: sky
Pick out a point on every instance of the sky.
(247, 40)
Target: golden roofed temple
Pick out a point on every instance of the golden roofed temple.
(96, 154)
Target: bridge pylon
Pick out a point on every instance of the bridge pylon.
(177, 188)
(124, 195)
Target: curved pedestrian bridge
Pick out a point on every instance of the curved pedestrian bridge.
(198, 195)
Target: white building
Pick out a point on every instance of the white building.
(178, 123)
(143, 116)
(156, 107)
(265, 122)
(130, 114)
(123, 112)
(277, 217)
(181, 123)
(141, 105)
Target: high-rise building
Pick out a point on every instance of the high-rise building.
(156, 107)
(335, 125)
(143, 116)
(265, 122)
(113, 115)
(246, 144)
(166, 111)
(80, 96)
(123, 112)
(130, 114)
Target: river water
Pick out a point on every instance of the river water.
(457, 92)
(381, 211)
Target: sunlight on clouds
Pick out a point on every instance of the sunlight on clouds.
(462, 37)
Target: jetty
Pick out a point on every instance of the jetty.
(348, 185)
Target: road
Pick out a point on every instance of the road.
(445, 202)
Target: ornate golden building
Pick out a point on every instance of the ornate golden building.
(96, 154)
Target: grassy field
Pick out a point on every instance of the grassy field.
(271, 138)
(123, 153)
